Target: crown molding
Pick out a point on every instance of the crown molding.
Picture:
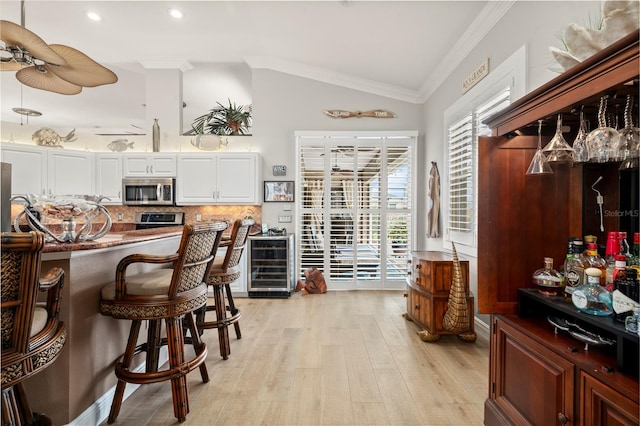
(488, 17)
(486, 20)
(332, 77)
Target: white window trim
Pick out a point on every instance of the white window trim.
(513, 73)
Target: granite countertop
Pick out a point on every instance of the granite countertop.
(112, 239)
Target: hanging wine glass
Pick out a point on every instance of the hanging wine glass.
(539, 164)
(580, 153)
(558, 150)
(601, 140)
(627, 149)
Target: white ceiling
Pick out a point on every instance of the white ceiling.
(399, 49)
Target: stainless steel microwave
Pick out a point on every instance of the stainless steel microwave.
(148, 191)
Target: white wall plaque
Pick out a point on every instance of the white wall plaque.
(474, 78)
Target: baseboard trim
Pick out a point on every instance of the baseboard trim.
(98, 412)
(482, 328)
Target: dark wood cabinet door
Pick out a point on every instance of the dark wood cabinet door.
(603, 406)
(530, 384)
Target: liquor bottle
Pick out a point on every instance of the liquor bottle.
(626, 283)
(548, 280)
(592, 298)
(594, 260)
(619, 270)
(613, 248)
(624, 245)
(573, 268)
(635, 250)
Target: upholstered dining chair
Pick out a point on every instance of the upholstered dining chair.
(169, 295)
(32, 335)
(226, 270)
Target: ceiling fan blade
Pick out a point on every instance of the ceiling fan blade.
(9, 66)
(39, 78)
(16, 35)
(80, 69)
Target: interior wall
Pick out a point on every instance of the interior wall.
(534, 24)
(283, 104)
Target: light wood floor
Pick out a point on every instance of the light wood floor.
(342, 358)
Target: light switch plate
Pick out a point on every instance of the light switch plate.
(284, 219)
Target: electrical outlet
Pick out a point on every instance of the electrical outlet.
(198, 217)
(284, 219)
(120, 217)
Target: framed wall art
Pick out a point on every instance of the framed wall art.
(279, 191)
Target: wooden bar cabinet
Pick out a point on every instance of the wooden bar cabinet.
(538, 376)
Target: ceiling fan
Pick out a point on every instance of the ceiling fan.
(52, 67)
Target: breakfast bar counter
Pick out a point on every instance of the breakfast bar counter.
(78, 387)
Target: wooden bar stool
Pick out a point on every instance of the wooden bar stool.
(225, 271)
(32, 335)
(168, 295)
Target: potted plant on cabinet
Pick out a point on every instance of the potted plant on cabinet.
(231, 120)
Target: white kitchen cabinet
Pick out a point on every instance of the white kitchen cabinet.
(28, 168)
(108, 181)
(48, 171)
(218, 178)
(138, 165)
(70, 172)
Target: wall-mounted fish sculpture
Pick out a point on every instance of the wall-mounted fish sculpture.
(120, 145)
(49, 137)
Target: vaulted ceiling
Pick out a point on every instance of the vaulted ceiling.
(398, 49)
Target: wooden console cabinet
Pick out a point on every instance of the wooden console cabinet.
(428, 293)
(537, 376)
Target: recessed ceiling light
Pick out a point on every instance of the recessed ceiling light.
(93, 16)
(176, 13)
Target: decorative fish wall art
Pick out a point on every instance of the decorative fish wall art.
(120, 145)
(49, 137)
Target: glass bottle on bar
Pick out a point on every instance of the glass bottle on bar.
(613, 248)
(548, 281)
(594, 260)
(592, 298)
(573, 267)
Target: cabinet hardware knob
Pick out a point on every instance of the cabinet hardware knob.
(418, 266)
(573, 349)
(563, 419)
(417, 307)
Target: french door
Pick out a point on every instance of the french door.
(355, 213)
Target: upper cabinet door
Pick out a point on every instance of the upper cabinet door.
(140, 165)
(218, 178)
(28, 168)
(70, 173)
(109, 177)
(196, 179)
(238, 179)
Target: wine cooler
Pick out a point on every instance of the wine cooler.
(270, 262)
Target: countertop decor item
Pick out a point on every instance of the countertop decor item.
(67, 209)
(231, 120)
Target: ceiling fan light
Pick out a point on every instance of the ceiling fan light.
(80, 69)
(27, 111)
(31, 77)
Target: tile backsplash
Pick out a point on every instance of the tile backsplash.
(207, 213)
